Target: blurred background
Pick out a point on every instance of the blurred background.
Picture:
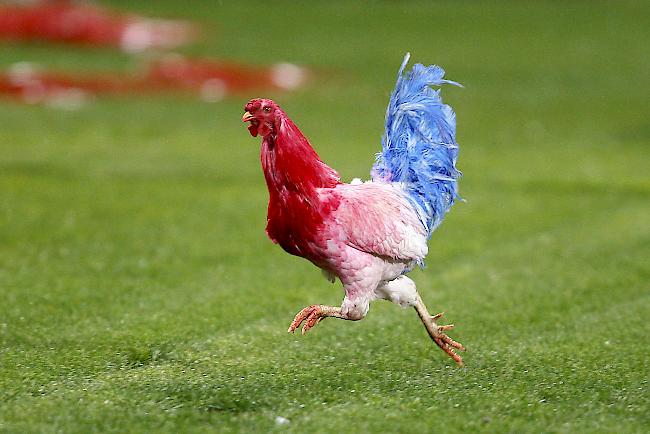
(132, 210)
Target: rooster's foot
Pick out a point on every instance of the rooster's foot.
(443, 341)
(437, 332)
(312, 315)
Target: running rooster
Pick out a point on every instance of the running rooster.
(369, 235)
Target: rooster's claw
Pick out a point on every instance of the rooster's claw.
(312, 315)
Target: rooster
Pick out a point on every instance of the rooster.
(366, 234)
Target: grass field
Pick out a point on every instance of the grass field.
(138, 292)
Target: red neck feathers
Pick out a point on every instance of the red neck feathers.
(290, 163)
(294, 172)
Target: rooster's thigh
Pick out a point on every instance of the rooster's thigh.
(359, 284)
(400, 291)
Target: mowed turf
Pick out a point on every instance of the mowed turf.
(138, 292)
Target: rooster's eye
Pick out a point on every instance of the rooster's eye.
(267, 109)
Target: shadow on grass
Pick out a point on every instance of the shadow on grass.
(35, 169)
(146, 355)
(289, 382)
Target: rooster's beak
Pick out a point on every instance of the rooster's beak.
(247, 117)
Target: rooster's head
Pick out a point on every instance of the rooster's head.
(263, 114)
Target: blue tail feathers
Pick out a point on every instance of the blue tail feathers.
(419, 148)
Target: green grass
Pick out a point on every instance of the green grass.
(138, 292)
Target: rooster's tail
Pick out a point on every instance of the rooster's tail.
(419, 146)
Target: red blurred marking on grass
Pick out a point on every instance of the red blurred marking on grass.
(211, 79)
(72, 22)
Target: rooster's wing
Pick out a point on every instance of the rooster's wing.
(376, 218)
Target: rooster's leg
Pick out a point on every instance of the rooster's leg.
(314, 314)
(437, 333)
